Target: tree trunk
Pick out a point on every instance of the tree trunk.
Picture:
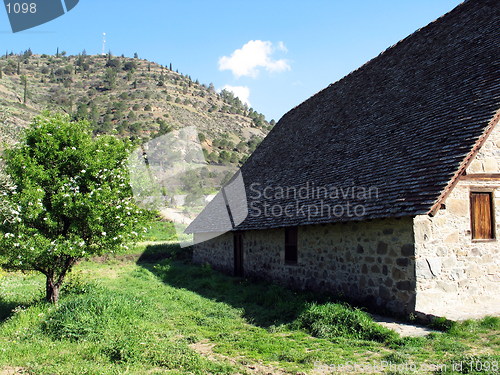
(52, 290)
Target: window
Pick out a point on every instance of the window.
(482, 216)
(291, 245)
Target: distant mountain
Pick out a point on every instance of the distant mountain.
(129, 97)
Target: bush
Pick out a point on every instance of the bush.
(76, 285)
(90, 315)
(130, 65)
(331, 320)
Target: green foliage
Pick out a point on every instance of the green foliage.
(213, 157)
(70, 198)
(153, 318)
(82, 112)
(110, 79)
(89, 316)
(253, 143)
(98, 82)
(331, 321)
(164, 127)
(224, 157)
(467, 328)
(114, 63)
(442, 324)
(160, 231)
(10, 68)
(77, 284)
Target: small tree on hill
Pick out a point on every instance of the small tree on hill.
(68, 198)
(24, 82)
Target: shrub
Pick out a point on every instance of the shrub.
(130, 65)
(90, 315)
(331, 320)
(76, 285)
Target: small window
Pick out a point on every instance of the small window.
(482, 216)
(291, 245)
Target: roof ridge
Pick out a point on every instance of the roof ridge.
(465, 163)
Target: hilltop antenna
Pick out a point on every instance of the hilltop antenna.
(103, 44)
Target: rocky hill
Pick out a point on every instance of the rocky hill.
(129, 97)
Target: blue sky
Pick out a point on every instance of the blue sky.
(296, 47)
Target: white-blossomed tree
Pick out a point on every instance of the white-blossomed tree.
(65, 195)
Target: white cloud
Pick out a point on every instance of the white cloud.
(255, 54)
(282, 47)
(241, 92)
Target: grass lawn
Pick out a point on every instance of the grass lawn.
(149, 316)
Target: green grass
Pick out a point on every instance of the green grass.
(332, 320)
(118, 316)
(160, 231)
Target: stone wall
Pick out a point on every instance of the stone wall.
(217, 252)
(487, 159)
(367, 262)
(456, 276)
(426, 264)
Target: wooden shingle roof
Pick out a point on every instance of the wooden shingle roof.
(402, 124)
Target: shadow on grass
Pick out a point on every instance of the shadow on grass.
(6, 309)
(264, 304)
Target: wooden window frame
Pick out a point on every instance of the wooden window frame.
(492, 213)
(291, 245)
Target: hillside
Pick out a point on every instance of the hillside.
(129, 97)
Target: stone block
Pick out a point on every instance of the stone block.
(408, 250)
(490, 165)
(475, 167)
(459, 207)
(434, 265)
(405, 285)
(384, 293)
(422, 229)
(474, 271)
(422, 269)
(449, 262)
(382, 248)
(398, 274)
(385, 270)
(447, 287)
(403, 262)
(453, 237)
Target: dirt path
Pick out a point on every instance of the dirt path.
(12, 371)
